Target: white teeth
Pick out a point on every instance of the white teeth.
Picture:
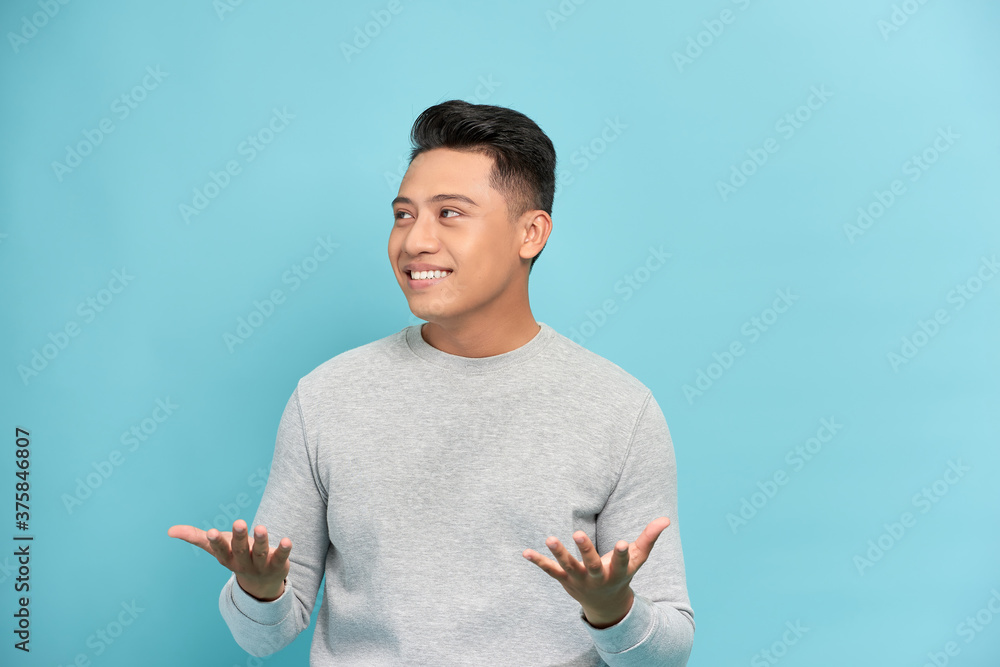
(424, 275)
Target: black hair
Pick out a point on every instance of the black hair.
(524, 159)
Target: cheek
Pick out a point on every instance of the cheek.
(395, 245)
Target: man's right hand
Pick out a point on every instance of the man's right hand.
(260, 571)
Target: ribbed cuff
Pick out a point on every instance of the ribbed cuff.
(628, 632)
(265, 613)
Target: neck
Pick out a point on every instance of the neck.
(481, 338)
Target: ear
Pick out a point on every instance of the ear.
(537, 226)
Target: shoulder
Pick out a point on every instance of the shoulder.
(353, 365)
(577, 364)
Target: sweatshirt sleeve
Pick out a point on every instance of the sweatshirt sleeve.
(659, 628)
(293, 505)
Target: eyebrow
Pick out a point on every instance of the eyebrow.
(436, 198)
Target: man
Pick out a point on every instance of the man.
(419, 473)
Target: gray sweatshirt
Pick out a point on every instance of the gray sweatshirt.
(413, 480)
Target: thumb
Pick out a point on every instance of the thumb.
(651, 533)
(195, 536)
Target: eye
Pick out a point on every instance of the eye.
(399, 214)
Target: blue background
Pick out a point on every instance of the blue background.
(683, 126)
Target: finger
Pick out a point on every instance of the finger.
(180, 530)
(260, 546)
(644, 543)
(569, 564)
(619, 560)
(591, 560)
(240, 545)
(220, 548)
(190, 534)
(547, 565)
(279, 557)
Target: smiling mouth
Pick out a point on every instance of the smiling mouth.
(424, 282)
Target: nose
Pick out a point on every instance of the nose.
(421, 237)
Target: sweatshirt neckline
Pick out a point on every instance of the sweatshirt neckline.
(421, 348)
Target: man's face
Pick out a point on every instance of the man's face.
(447, 215)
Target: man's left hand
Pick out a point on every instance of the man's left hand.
(600, 584)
